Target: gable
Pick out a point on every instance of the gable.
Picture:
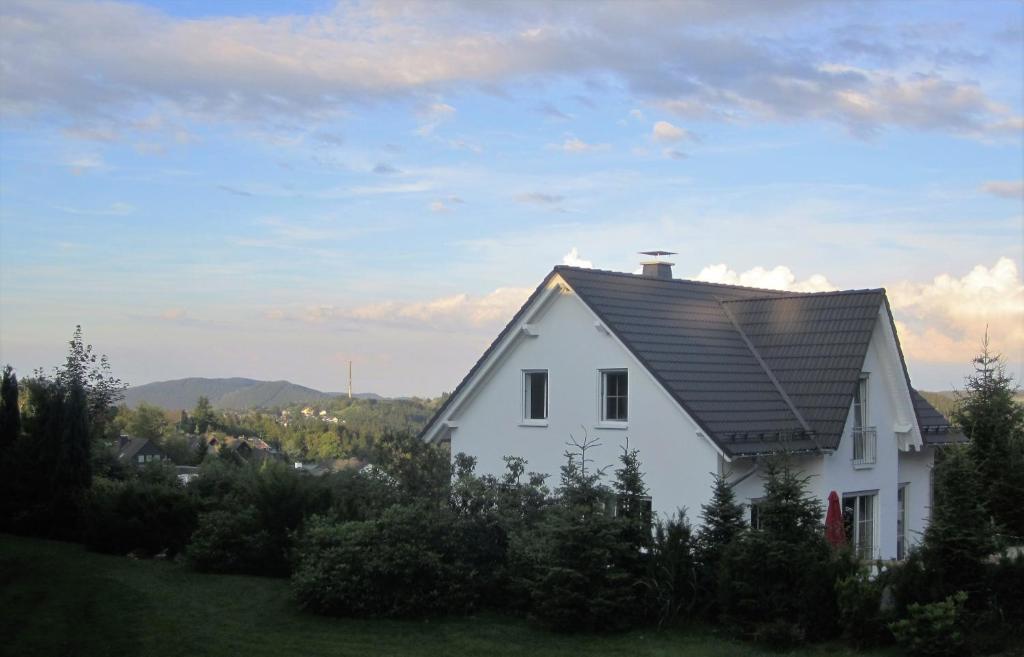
(757, 371)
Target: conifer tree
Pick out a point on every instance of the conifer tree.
(993, 421)
(959, 536)
(722, 522)
(10, 414)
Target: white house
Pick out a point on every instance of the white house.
(705, 378)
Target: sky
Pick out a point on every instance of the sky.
(271, 190)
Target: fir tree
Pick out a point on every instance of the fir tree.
(959, 536)
(993, 421)
(10, 414)
(722, 522)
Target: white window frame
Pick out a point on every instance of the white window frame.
(603, 397)
(754, 521)
(528, 421)
(863, 552)
(864, 434)
(902, 516)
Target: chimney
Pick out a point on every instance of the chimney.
(657, 268)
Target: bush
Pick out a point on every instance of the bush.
(862, 618)
(673, 573)
(251, 514)
(785, 571)
(138, 515)
(413, 561)
(933, 630)
(780, 634)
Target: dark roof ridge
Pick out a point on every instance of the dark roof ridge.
(811, 295)
(672, 280)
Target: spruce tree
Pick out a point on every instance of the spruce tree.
(10, 414)
(959, 537)
(993, 421)
(722, 521)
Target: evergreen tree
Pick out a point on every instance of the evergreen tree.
(722, 522)
(959, 537)
(993, 421)
(202, 416)
(10, 413)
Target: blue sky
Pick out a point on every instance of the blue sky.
(271, 194)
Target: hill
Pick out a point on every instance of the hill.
(227, 394)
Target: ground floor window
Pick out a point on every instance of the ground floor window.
(755, 514)
(859, 523)
(618, 505)
(901, 522)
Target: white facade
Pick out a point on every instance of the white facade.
(559, 334)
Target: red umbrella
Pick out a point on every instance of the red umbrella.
(834, 532)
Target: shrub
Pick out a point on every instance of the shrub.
(139, 515)
(933, 630)
(780, 634)
(862, 618)
(673, 573)
(785, 571)
(590, 574)
(251, 515)
(413, 561)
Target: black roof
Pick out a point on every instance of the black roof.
(759, 370)
(133, 446)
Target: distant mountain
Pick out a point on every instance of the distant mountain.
(229, 394)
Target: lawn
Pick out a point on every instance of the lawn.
(58, 599)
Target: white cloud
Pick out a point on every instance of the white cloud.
(118, 209)
(778, 278)
(1013, 189)
(576, 145)
(573, 259)
(451, 312)
(667, 133)
(432, 116)
(945, 320)
(445, 204)
(695, 59)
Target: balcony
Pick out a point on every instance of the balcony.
(865, 446)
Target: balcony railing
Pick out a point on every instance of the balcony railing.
(865, 443)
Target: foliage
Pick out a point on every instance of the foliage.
(419, 471)
(784, 571)
(722, 521)
(249, 515)
(144, 421)
(84, 368)
(933, 630)
(862, 617)
(148, 515)
(993, 420)
(590, 562)
(412, 561)
(958, 539)
(673, 569)
(202, 416)
(10, 412)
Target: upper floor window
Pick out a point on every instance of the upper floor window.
(864, 436)
(614, 395)
(535, 395)
(860, 403)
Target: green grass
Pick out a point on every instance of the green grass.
(58, 599)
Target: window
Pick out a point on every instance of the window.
(859, 523)
(614, 395)
(865, 438)
(624, 505)
(755, 514)
(901, 522)
(142, 459)
(535, 395)
(860, 403)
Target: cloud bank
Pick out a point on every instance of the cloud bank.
(697, 60)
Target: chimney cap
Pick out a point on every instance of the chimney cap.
(657, 253)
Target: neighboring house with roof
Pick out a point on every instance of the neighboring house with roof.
(138, 451)
(706, 378)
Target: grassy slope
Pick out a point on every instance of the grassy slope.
(58, 599)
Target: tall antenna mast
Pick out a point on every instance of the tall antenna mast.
(350, 379)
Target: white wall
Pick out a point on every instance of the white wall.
(677, 462)
(835, 471)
